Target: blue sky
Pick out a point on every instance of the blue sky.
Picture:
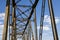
(47, 30)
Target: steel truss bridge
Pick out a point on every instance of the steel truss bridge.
(18, 17)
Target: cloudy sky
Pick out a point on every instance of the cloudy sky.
(47, 29)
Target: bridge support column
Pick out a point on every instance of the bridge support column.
(55, 35)
(5, 30)
(35, 26)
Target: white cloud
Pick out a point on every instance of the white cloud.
(2, 15)
(47, 19)
(38, 27)
(45, 28)
(1, 26)
(1, 29)
(57, 19)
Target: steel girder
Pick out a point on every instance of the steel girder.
(16, 13)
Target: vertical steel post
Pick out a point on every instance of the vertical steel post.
(35, 27)
(42, 19)
(5, 30)
(26, 36)
(13, 22)
(32, 36)
(13, 26)
(27, 33)
(23, 37)
(55, 35)
(30, 30)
